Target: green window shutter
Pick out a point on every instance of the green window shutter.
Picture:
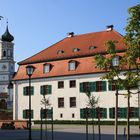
(24, 114)
(32, 90)
(103, 85)
(24, 90)
(32, 114)
(81, 87)
(49, 113)
(104, 113)
(42, 90)
(94, 114)
(110, 86)
(92, 86)
(49, 89)
(111, 112)
(81, 113)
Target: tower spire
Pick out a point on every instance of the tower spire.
(7, 36)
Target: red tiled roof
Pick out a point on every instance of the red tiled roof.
(83, 42)
(59, 62)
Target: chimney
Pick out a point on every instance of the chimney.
(109, 28)
(70, 34)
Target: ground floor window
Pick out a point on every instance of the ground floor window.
(45, 113)
(122, 112)
(26, 114)
(93, 113)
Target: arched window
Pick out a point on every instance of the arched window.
(4, 53)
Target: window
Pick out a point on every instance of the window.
(4, 53)
(72, 65)
(122, 112)
(76, 50)
(93, 113)
(73, 115)
(101, 86)
(46, 89)
(112, 87)
(60, 84)
(93, 86)
(115, 61)
(134, 112)
(61, 115)
(92, 47)
(60, 52)
(47, 68)
(26, 90)
(46, 113)
(72, 83)
(26, 114)
(60, 102)
(72, 101)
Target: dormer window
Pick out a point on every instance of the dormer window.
(60, 51)
(115, 61)
(72, 65)
(76, 50)
(47, 68)
(92, 47)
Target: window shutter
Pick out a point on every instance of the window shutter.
(24, 90)
(81, 87)
(49, 89)
(24, 114)
(49, 113)
(94, 114)
(110, 86)
(82, 113)
(111, 112)
(103, 85)
(104, 113)
(32, 114)
(92, 86)
(42, 90)
(32, 90)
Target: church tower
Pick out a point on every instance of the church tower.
(7, 69)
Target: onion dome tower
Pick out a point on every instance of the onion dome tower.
(7, 67)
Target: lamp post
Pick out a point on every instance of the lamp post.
(29, 71)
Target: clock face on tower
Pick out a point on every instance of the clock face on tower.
(4, 67)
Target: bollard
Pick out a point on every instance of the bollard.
(124, 131)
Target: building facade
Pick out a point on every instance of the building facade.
(7, 70)
(60, 71)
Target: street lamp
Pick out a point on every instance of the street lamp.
(29, 71)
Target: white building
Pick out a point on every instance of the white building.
(7, 69)
(59, 72)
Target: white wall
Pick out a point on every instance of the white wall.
(106, 99)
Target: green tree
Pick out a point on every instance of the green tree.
(128, 65)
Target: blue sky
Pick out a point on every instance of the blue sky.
(37, 24)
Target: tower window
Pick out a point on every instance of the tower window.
(4, 53)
